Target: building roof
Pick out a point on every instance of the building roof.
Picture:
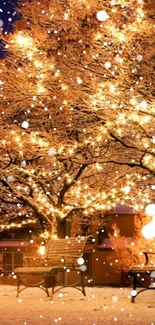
(121, 209)
(14, 243)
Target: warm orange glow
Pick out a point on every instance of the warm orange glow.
(77, 133)
(42, 250)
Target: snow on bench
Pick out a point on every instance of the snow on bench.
(65, 254)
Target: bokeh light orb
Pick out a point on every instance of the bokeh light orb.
(126, 189)
(1, 23)
(133, 293)
(80, 260)
(148, 231)
(83, 268)
(152, 274)
(102, 15)
(150, 210)
(25, 124)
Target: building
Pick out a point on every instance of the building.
(100, 271)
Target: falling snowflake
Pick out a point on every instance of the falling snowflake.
(25, 124)
(51, 152)
(1, 23)
(10, 179)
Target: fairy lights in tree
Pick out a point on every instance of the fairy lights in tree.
(77, 109)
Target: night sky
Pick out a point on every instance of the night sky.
(7, 14)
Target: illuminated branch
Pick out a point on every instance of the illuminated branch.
(77, 120)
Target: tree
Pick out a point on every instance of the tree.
(129, 250)
(77, 109)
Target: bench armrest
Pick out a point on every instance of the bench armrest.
(70, 259)
(64, 260)
(147, 257)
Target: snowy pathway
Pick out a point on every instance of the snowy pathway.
(101, 306)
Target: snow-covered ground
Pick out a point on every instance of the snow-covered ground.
(101, 306)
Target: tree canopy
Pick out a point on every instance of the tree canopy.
(77, 116)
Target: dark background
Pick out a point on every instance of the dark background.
(8, 14)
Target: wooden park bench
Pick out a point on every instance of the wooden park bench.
(61, 256)
(143, 277)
